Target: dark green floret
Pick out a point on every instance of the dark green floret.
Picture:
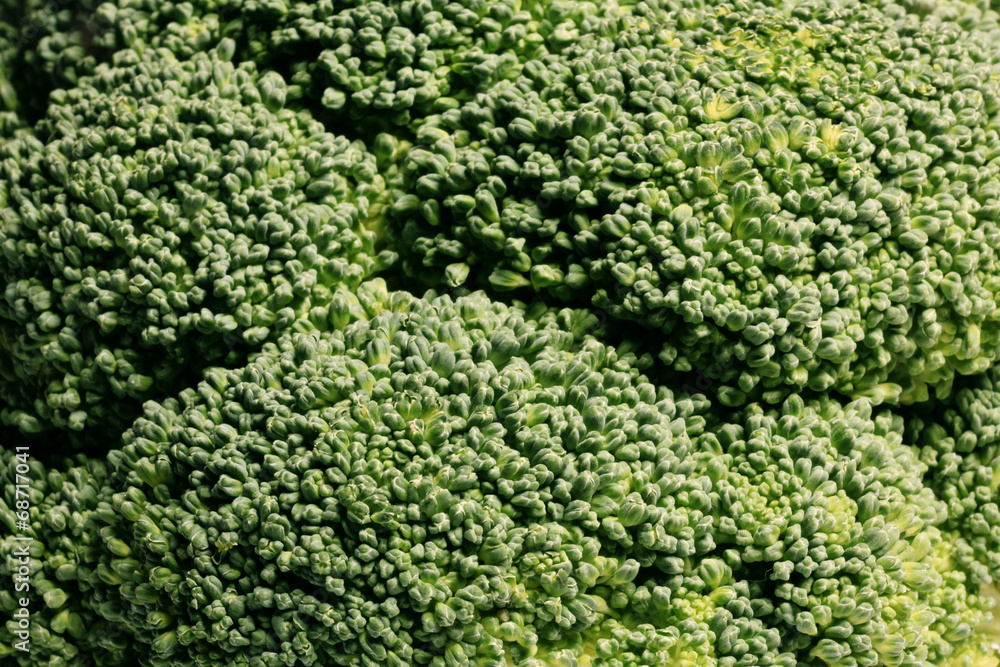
(400, 61)
(209, 213)
(168, 216)
(67, 624)
(803, 195)
(445, 483)
(59, 43)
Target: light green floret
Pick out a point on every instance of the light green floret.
(953, 563)
(826, 504)
(67, 625)
(170, 215)
(801, 196)
(959, 440)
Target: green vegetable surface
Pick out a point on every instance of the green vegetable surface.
(60, 549)
(166, 216)
(960, 441)
(515, 333)
(444, 482)
(805, 195)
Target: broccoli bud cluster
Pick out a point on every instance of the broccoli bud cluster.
(209, 213)
(51, 559)
(169, 215)
(825, 504)
(404, 61)
(446, 483)
(805, 198)
(960, 444)
(59, 44)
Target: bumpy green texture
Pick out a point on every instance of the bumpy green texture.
(443, 483)
(67, 625)
(396, 60)
(351, 58)
(401, 61)
(57, 43)
(959, 440)
(804, 197)
(169, 215)
(824, 503)
(53, 42)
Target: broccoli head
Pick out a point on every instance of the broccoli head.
(398, 62)
(385, 62)
(823, 505)
(58, 560)
(446, 483)
(801, 196)
(169, 215)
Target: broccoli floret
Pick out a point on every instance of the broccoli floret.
(802, 195)
(66, 624)
(58, 43)
(393, 490)
(952, 559)
(400, 61)
(797, 198)
(53, 42)
(958, 438)
(445, 483)
(823, 505)
(168, 216)
(364, 61)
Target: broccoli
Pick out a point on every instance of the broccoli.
(51, 46)
(959, 441)
(380, 64)
(255, 449)
(803, 196)
(398, 62)
(61, 557)
(834, 510)
(59, 43)
(165, 216)
(443, 482)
